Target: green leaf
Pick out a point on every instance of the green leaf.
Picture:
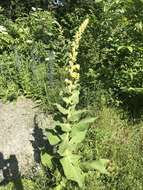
(75, 115)
(87, 120)
(78, 134)
(98, 1)
(79, 127)
(133, 91)
(125, 47)
(64, 145)
(53, 138)
(72, 170)
(62, 109)
(66, 127)
(77, 138)
(120, 47)
(130, 49)
(46, 160)
(99, 165)
(66, 100)
(73, 99)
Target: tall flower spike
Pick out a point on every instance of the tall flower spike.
(73, 68)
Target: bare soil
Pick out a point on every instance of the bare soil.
(17, 126)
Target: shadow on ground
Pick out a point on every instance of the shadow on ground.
(10, 172)
(39, 141)
(9, 168)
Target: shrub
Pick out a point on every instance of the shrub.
(111, 50)
(30, 61)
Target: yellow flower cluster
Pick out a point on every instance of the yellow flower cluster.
(74, 68)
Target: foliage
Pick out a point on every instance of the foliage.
(121, 142)
(31, 58)
(71, 128)
(16, 8)
(110, 54)
(111, 137)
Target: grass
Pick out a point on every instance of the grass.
(121, 142)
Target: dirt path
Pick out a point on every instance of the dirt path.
(16, 128)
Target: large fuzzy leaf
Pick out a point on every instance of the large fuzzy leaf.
(75, 115)
(87, 120)
(63, 110)
(72, 170)
(53, 138)
(46, 160)
(77, 138)
(66, 127)
(78, 128)
(73, 99)
(64, 145)
(99, 165)
(78, 133)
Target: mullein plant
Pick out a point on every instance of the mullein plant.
(71, 128)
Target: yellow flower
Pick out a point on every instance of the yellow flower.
(74, 68)
(67, 81)
(74, 75)
(75, 43)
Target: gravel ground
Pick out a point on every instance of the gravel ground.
(16, 129)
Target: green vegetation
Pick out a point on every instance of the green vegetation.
(39, 59)
(112, 138)
(30, 53)
(71, 128)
